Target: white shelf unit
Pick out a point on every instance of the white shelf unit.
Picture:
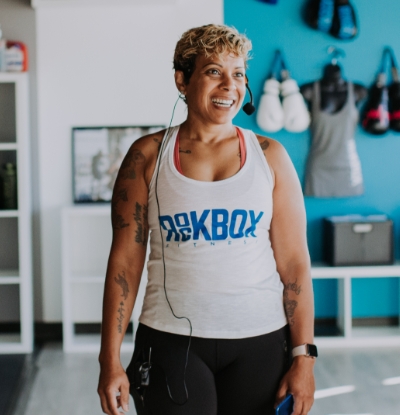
(86, 241)
(15, 225)
(356, 336)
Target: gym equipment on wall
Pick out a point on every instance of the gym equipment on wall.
(382, 111)
(394, 93)
(335, 17)
(291, 113)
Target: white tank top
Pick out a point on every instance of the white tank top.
(220, 267)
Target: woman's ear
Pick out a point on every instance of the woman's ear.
(180, 82)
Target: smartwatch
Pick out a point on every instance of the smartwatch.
(309, 350)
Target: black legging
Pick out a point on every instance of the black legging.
(224, 376)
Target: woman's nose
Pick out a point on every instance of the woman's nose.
(228, 83)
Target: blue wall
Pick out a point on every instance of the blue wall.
(281, 26)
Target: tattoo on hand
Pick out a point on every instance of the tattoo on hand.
(290, 305)
(264, 145)
(141, 219)
(121, 316)
(121, 281)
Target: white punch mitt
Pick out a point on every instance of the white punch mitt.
(296, 117)
(270, 112)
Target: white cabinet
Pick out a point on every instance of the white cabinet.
(86, 241)
(356, 336)
(15, 221)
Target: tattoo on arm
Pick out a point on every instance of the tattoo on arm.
(121, 316)
(264, 145)
(117, 220)
(290, 305)
(127, 171)
(121, 281)
(141, 219)
(133, 159)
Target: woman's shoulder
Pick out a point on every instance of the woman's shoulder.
(275, 154)
(146, 149)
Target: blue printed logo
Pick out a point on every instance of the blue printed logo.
(185, 226)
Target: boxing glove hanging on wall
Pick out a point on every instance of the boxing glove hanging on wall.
(292, 113)
(394, 93)
(336, 17)
(296, 117)
(376, 112)
(270, 112)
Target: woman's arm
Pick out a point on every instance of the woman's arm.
(125, 265)
(289, 243)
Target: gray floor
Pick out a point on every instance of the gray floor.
(66, 384)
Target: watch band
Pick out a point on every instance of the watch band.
(305, 350)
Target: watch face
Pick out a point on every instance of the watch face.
(312, 349)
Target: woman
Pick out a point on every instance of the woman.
(228, 255)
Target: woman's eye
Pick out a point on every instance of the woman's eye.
(213, 71)
(240, 74)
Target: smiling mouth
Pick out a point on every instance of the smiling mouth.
(225, 103)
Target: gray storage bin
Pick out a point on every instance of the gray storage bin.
(358, 240)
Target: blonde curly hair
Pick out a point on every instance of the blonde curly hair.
(209, 40)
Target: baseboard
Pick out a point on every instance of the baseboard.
(376, 321)
(52, 332)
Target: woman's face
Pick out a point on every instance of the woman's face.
(216, 89)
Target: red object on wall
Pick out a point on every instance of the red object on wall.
(19, 58)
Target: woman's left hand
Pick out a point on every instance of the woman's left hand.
(299, 381)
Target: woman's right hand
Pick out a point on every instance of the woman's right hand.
(113, 389)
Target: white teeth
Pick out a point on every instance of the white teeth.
(222, 102)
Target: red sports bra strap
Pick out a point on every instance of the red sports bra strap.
(242, 147)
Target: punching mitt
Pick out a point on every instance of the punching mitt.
(344, 24)
(270, 112)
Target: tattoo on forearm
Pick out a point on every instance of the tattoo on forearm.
(121, 316)
(264, 145)
(123, 283)
(185, 151)
(289, 304)
(141, 219)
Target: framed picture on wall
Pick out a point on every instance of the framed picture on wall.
(97, 154)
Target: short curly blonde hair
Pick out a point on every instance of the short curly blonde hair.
(209, 40)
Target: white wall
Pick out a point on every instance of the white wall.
(99, 65)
